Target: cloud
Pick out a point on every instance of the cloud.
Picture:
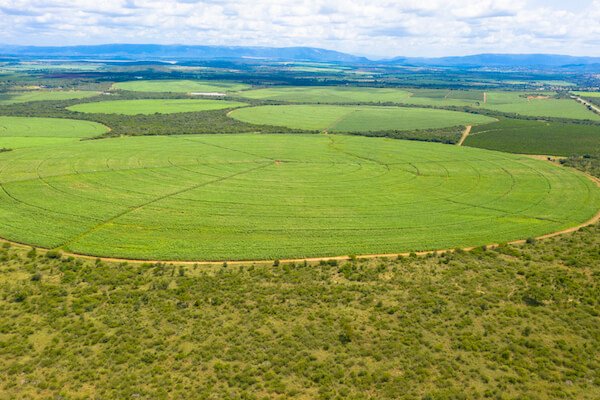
(371, 27)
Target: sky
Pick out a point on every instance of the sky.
(374, 28)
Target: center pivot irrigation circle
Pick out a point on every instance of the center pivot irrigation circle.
(240, 197)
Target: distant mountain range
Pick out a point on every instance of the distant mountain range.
(502, 61)
(180, 52)
(154, 52)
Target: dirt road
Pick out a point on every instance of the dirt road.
(465, 135)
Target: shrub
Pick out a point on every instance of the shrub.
(53, 254)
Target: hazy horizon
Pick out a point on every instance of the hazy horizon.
(379, 29)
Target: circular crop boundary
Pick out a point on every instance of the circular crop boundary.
(595, 219)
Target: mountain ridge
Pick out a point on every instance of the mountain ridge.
(308, 54)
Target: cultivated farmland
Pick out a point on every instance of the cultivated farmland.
(23, 97)
(180, 86)
(536, 137)
(355, 118)
(217, 197)
(17, 132)
(538, 105)
(587, 94)
(153, 106)
(337, 94)
(328, 94)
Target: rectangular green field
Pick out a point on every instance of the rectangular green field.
(536, 137)
(24, 97)
(541, 104)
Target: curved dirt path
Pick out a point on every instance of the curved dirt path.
(465, 135)
(595, 219)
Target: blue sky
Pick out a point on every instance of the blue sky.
(374, 28)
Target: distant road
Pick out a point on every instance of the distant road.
(586, 103)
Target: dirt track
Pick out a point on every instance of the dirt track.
(465, 135)
(593, 107)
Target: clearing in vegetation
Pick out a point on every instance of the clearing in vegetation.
(216, 197)
(153, 106)
(23, 97)
(537, 105)
(356, 118)
(180, 86)
(536, 137)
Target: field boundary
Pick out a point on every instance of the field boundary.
(595, 219)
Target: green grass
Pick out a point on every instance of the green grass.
(355, 118)
(536, 137)
(587, 94)
(518, 103)
(19, 132)
(153, 106)
(518, 322)
(341, 94)
(23, 97)
(327, 94)
(278, 196)
(180, 86)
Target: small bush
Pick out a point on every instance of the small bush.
(53, 254)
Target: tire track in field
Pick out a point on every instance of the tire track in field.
(156, 199)
(223, 147)
(333, 145)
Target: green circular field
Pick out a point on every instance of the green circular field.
(153, 106)
(180, 86)
(355, 118)
(16, 132)
(231, 197)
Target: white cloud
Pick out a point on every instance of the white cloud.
(376, 27)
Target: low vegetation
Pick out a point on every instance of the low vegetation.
(513, 322)
(536, 137)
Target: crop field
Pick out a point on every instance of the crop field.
(587, 94)
(215, 197)
(19, 132)
(444, 98)
(538, 105)
(180, 86)
(338, 94)
(153, 106)
(355, 118)
(536, 137)
(23, 97)
(328, 94)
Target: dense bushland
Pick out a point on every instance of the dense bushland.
(512, 322)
